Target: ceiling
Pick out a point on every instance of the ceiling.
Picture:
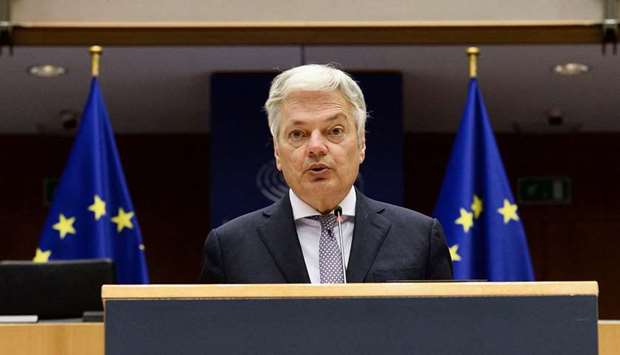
(166, 89)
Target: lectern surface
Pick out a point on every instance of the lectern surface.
(387, 324)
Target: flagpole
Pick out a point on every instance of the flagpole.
(95, 52)
(473, 53)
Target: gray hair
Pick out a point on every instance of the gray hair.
(315, 77)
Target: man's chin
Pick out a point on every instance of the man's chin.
(318, 187)
(319, 184)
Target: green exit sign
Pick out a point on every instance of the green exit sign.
(550, 190)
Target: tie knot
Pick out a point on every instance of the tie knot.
(328, 221)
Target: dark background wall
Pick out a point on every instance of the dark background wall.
(168, 177)
(573, 242)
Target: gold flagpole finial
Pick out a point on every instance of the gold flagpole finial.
(473, 53)
(95, 52)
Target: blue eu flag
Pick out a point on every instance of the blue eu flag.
(476, 207)
(92, 215)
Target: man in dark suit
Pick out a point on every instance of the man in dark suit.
(324, 230)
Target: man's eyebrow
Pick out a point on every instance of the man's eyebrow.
(294, 122)
(336, 117)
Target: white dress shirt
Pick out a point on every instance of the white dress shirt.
(309, 231)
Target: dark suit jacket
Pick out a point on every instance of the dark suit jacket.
(389, 243)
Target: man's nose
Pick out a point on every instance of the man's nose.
(317, 144)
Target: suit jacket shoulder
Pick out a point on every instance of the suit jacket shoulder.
(259, 247)
(398, 213)
(242, 226)
(407, 245)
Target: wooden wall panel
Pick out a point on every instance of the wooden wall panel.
(168, 181)
(167, 178)
(579, 241)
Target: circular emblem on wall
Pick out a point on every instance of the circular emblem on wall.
(270, 182)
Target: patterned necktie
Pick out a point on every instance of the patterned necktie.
(330, 257)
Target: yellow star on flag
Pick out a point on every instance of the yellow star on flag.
(476, 206)
(42, 256)
(123, 220)
(64, 226)
(454, 253)
(466, 219)
(509, 211)
(98, 207)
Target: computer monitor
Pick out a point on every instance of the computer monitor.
(55, 289)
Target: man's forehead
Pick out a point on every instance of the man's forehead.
(314, 97)
(325, 103)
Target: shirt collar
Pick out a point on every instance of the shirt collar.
(303, 210)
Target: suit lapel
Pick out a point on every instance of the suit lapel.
(370, 230)
(280, 236)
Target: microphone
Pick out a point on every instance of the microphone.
(338, 213)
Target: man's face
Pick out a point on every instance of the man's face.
(317, 148)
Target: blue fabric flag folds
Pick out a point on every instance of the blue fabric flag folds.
(476, 206)
(92, 215)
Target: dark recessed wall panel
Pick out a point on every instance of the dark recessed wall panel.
(168, 179)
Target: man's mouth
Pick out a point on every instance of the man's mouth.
(318, 168)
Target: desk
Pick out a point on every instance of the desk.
(370, 318)
(52, 339)
(87, 338)
(608, 337)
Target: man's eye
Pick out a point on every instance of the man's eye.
(296, 135)
(336, 131)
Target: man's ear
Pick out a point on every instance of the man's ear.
(363, 150)
(276, 155)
